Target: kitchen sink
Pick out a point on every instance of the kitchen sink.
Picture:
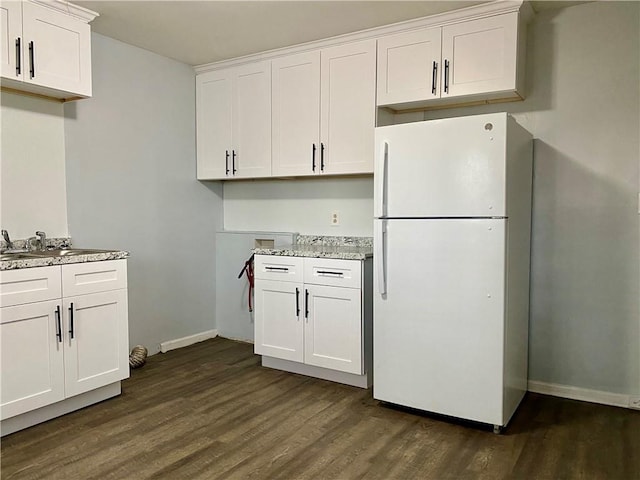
(67, 252)
(17, 256)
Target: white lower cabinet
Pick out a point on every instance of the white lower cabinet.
(310, 311)
(54, 345)
(333, 328)
(96, 351)
(32, 357)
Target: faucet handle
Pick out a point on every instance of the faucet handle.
(42, 237)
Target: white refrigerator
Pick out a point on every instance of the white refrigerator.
(452, 232)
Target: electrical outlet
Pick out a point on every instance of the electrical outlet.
(335, 219)
(634, 402)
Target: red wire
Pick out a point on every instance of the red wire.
(249, 270)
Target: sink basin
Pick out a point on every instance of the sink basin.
(17, 256)
(67, 252)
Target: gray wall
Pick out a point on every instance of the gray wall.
(131, 184)
(583, 109)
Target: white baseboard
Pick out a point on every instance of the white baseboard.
(577, 393)
(186, 341)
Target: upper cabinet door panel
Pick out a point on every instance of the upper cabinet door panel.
(57, 49)
(213, 124)
(11, 28)
(406, 64)
(252, 120)
(348, 79)
(296, 114)
(482, 55)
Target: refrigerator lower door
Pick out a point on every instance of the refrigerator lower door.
(439, 328)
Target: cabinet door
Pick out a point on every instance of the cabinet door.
(11, 28)
(96, 340)
(296, 114)
(252, 121)
(58, 49)
(333, 329)
(348, 92)
(481, 55)
(279, 314)
(409, 66)
(213, 124)
(32, 358)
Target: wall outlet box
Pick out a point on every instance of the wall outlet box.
(634, 402)
(335, 219)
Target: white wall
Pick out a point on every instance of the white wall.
(132, 185)
(583, 110)
(300, 205)
(33, 190)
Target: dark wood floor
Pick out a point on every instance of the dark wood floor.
(210, 411)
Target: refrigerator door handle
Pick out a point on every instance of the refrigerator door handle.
(380, 234)
(381, 180)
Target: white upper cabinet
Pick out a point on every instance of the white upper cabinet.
(481, 56)
(324, 111)
(408, 66)
(11, 39)
(296, 114)
(46, 48)
(348, 112)
(234, 122)
(474, 60)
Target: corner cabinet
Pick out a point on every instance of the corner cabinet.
(46, 48)
(324, 111)
(312, 317)
(474, 60)
(64, 337)
(234, 122)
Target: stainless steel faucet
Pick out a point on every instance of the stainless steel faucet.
(5, 235)
(42, 238)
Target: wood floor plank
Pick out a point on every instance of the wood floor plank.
(210, 411)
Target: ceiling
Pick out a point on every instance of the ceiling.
(197, 32)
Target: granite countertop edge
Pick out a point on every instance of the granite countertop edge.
(50, 261)
(319, 251)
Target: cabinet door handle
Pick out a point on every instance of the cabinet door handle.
(233, 162)
(226, 162)
(297, 302)
(328, 272)
(18, 57)
(306, 303)
(32, 67)
(434, 78)
(279, 269)
(71, 320)
(321, 157)
(446, 76)
(313, 157)
(58, 325)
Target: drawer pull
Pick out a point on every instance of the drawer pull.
(328, 272)
(71, 321)
(58, 325)
(277, 269)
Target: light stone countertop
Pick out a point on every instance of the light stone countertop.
(343, 248)
(47, 261)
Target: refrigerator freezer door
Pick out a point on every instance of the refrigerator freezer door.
(442, 168)
(438, 330)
